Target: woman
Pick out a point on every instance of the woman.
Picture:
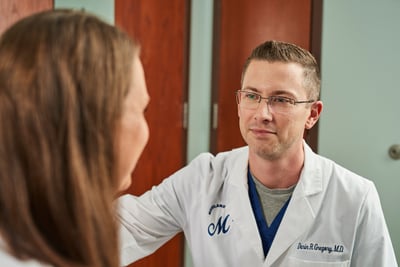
(72, 98)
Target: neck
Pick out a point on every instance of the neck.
(282, 172)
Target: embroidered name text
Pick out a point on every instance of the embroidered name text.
(321, 248)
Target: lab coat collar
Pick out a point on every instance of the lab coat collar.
(305, 202)
(237, 173)
(310, 178)
(303, 207)
(310, 185)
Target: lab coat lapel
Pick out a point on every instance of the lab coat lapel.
(300, 214)
(248, 234)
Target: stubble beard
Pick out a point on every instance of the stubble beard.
(269, 151)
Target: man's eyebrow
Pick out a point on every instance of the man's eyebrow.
(284, 93)
(248, 88)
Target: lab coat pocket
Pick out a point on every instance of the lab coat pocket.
(306, 263)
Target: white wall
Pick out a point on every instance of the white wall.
(361, 92)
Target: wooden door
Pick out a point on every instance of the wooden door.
(13, 10)
(239, 26)
(162, 30)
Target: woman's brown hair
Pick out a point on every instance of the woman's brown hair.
(63, 78)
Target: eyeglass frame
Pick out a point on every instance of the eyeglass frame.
(289, 100)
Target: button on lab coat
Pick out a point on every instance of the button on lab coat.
(334, 217)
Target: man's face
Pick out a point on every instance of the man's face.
(269, 134)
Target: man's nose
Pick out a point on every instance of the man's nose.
(264, 109)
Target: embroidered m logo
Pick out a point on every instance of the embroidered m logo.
(220, 227)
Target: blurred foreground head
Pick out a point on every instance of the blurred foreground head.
(64, 80)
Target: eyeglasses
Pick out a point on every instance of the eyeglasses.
(278, 104)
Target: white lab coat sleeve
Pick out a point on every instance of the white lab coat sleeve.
(141, 235)
(372, 246)
(150, 220)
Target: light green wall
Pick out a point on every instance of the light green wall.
(102, 8)
(199, 83)
(200, 77)
(360, 90)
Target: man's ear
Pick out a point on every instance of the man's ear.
(315, 112)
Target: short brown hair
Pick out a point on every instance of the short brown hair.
(276, 51)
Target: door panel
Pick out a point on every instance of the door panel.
(161, 27)
(240, 26)
(13, 10)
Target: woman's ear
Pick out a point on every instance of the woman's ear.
(315, 112)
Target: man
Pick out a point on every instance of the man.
(273, 202)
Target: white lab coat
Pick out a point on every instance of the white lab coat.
(334, 217)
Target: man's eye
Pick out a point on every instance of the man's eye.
(279, 99)
(251, 96)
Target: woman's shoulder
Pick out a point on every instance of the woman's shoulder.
(8, 260)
